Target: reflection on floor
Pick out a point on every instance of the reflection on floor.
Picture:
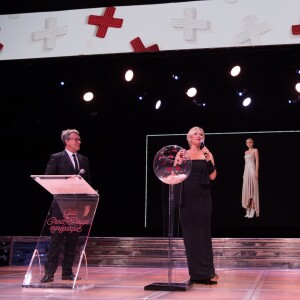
(120, 283)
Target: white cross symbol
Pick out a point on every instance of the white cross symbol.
(253, 31)
(190, 24)
(50, 33)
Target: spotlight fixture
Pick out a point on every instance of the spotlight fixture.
(175, 77)
(158, 104)
(199, 103)
(298, 71)
(141, 96)
(294, 100)
(235, 71)
(88, 96)
(247, 101)
(241, 92)
(129, 75)
(191, 92)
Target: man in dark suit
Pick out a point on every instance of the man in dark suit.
(67, 162)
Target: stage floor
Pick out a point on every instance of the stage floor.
(120, 283)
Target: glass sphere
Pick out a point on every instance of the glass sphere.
(172, 164)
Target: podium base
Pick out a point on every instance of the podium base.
(162, 286)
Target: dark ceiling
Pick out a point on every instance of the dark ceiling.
(268, 74)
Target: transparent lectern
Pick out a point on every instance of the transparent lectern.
(70, 217)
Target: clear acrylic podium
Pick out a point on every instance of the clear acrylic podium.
(71, 215)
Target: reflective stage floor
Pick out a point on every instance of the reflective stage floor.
(128, 283)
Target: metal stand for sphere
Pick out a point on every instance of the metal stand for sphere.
(170, 285)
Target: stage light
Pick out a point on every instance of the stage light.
(62, 83)
(241, 92)
(88, 96)
(247, 101)
(141, 96)
(129, 75)
(297, 87)
(158, 104)
(199, 103)
(191, 92)
(175, 77)
(294, 100)
(235, 71)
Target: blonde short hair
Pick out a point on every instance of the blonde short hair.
(192, 132)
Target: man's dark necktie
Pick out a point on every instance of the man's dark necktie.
(76, 163)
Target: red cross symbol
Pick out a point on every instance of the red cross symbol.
(138, 46)
(105, 21)
(295, 29)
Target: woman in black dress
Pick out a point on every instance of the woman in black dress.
(195, 209)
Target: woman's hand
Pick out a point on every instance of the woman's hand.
(180, 157)
(206, 153)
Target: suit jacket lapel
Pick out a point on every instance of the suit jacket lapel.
(79, 161)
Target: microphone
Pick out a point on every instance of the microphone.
(202, 145)
(82, 171)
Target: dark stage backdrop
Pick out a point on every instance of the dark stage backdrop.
(35, 109)
(278, 184)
